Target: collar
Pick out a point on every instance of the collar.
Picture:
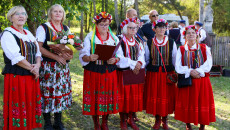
(160, 41)
(29, 37)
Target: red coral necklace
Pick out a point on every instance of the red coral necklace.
(55, 28)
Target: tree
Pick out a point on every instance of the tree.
(82, 23)
(94, 7)
(201, 10)
(116, 13)
(37, 13)
(136, 8)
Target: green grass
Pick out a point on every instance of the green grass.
(73, 118)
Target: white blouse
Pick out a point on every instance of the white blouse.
(11, 48)
(87, 47)
(174, 51)
(205, 68)
(41, 33)
(126, 62)
(202, 34)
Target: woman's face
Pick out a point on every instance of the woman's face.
(190, 35)
(19, 18)
(57, 14)
(160, 30)
(131, 29)
(103, 26)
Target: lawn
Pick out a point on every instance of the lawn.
(73, 118)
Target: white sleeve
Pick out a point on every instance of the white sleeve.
(126, 62)
(178, 65)
(85, 51)
(38, 54)
(174, 52)
(41, 34)
(147, 55)
(203, 35)
(11, 48)
(206, 67)
(141, 56)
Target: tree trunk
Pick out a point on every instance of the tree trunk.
(125, 7)
(121, 11)
(90, 15)
(94, 7)
(82, 24)
(201, 11)
(85, 22)
(106, 5)
(136, 8)
(103, 5)
(116, 13)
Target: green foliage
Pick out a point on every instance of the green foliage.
(221, 23)
(37, 10)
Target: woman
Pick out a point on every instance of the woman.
(174, 33)
(130, 96)
(100, 92)
(55, 79)
(194, 104)
(22, 98)
(159, 96)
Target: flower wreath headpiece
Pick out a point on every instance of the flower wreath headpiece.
(102, 15)
(160, 21)
(127, 21)
(189, 27)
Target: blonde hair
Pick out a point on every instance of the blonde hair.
(174, 25)
(13, 10)
(52, 8)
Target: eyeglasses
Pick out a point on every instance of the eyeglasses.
(22, 13)
(161, 27)
(155, 15)
(103, 25)
(132, 28)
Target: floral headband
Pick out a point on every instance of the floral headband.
(189, 27)
(127, 21)
(102, 15)
(160, 21)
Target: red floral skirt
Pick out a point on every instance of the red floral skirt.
(100, 93)
(130, 96)
(195, 104)
(22, 103)
(159, 97)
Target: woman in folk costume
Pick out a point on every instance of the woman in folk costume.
(100, 90)
(130, 96)
(195, 103)
(22, 58)
(159, 95)
(55, 78)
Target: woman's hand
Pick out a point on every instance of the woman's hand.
(57, 48)
(112, 60)
(195, 74)
(93, 57)
(137, 68)
(35, 70)
(67, 56)
(60, 60)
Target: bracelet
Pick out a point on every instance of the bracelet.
(140, 62)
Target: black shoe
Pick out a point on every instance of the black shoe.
(58, 125)
(48, 124)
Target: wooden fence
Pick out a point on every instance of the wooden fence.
(221, 51)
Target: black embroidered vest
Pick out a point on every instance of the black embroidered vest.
(28, 50)
(49, 36)
(155, 59)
